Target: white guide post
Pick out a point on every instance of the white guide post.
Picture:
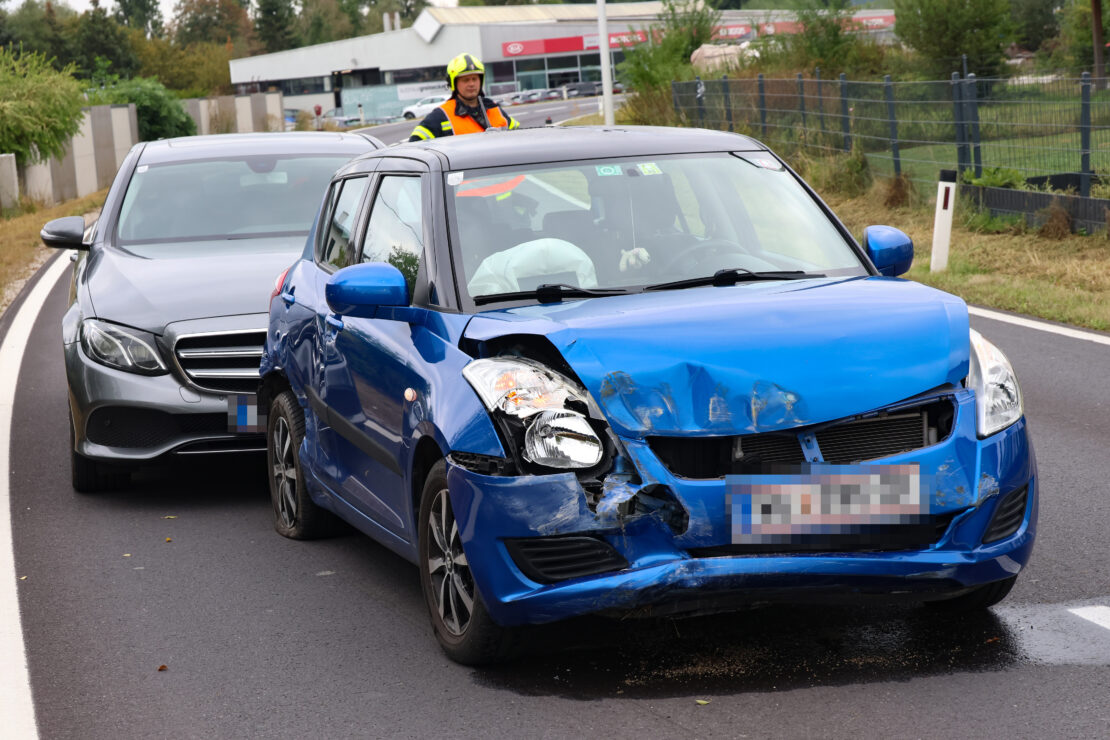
(942, 222)
(606, 63)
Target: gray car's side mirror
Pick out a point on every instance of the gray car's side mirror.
(359, 290)
(64, 233)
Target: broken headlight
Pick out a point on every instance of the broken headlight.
(998, 401)
(538, 404)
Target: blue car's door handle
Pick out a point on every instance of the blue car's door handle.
(334, 322)
(288, 297)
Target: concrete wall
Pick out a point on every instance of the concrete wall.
(90, 160)
(9, 181)
(236, 113)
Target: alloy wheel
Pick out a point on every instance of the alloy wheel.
(284, 473)
(452, 583)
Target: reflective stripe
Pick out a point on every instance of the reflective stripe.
(446, 125)
(513, 124)
(423, 133)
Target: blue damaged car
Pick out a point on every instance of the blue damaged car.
(639, 371)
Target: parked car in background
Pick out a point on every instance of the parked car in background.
(592, 371)
(289, 118)
(424, 106)
(339, 119)
(164, 334)
(584, 89)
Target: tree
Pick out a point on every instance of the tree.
(1097, 38)
(322, 21)
(40, 107)
(273, 25)
(941, 31)
(40, 26)
(1034, 22)
(141, 15)
(198, 70)
(161, 115)
(219, 21)
(96, 36)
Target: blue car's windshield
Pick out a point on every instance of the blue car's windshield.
(634, 222)
(240, 198)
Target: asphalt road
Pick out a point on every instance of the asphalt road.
(267, 637)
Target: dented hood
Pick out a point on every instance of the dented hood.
(753, 356)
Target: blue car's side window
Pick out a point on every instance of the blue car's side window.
(395, 233)
(335, 250)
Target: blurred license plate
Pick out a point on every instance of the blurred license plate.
(823, 500)
(242, 414)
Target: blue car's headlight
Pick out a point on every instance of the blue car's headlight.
(121, 347)
(998, 401)
(539, 401)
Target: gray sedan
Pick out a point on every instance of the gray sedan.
(163, 338)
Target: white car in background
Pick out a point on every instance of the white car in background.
(424, 106)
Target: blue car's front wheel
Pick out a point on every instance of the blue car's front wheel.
(459, 618)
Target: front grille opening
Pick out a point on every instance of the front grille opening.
(226, 363)
(1009, 513)
(554, 559)
(141, 428)
(853, 440)
(919, 535)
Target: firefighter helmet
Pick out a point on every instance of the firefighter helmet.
(462, 65)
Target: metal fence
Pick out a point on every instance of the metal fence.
(1049, 131)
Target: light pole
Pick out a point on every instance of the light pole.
(606, 67)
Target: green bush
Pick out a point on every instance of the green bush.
(996, 177)
(40, 107)
(161, 115)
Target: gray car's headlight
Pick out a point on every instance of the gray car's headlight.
(998, 401)
(536, 398)
(120, 347)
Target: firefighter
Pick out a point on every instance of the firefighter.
(467, 111)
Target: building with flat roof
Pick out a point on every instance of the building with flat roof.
(524, 47)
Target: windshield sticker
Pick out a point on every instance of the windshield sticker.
(608, 170)
(767, 163)
(649, 168)
(141, 169)
(454, 178)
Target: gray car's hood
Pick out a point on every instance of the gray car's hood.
(194, 280)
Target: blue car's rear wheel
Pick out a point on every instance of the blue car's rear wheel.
(295, 515)
(459, 618)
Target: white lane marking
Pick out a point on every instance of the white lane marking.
(16, 704)
(1099, 615)
(1063, 331)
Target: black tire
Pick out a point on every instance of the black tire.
(92, 476)
(979, 598)
(409, 116)
(295, 514)
(466, 633)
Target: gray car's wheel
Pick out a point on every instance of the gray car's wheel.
(979, 598)
(409, 116)
(295, 515)
(461, 623)
(92, 476)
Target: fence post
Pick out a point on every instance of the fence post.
(728, 101)
(674, 97)
(802, 103)
(958, 119)
(820, 100)
(762, 109)
(845, 121)
(972, 99)
(699, 94)
(888, 90)
(1085, 135)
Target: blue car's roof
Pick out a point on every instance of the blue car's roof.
(293, 142)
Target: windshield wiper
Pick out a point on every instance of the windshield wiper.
(732, 276)
(548, 293)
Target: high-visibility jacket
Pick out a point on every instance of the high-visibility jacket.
(445, 121)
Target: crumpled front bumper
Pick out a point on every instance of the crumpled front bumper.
(972, 476)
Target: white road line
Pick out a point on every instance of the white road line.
(16, 705)
(1063, 331)
(1099, 615)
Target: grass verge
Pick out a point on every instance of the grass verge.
(21, 251)
(1065, 280)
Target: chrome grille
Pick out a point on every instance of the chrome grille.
(225, 362)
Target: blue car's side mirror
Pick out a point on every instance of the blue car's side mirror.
(889, 249)
(358, 290)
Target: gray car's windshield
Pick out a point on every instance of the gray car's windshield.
(636, 222)
(237, 198)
